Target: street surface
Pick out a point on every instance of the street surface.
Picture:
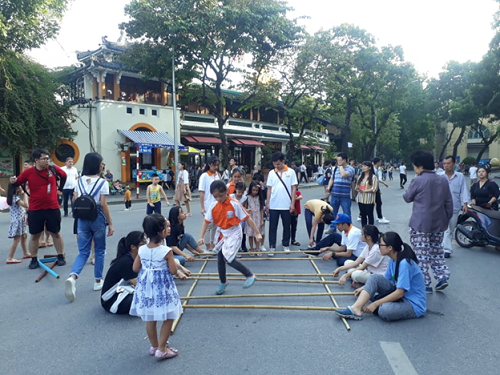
(42, 333)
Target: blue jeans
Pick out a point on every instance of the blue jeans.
(336, 203)
(89, 230)
(180, 258)
(308, 215)
(67, 195)
(153, 210)
(187, 239)
(330, 240)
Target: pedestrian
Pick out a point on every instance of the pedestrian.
(367, 187)
(354, 193)
(209, 175)
(326, 179)
(237, 177)
(280, 203)
(259, 178)
(127, 198)
(460, 196)
(69, 186)
(402, 175)
(378, 193)
(154, 192)
(156, 298)
(295, 218)
(397, 295)
(391, 171)
(432, 211)
(165, 177)
(227, 214)
(233, 165)
(240, 196)
(303, 173)
(225, 175)
(90, 184)
(43, 210)
(255, 208)
(182, 190)
(322, 214)
(473, 174)
(485, 192)
(18, 201)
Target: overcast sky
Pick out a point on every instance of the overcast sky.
(431, 32)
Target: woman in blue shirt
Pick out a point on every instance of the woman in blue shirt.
(400, 293)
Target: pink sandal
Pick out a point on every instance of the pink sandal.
(165, 355)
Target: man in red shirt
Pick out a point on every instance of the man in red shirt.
(43, 210)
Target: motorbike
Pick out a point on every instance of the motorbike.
(478, 226)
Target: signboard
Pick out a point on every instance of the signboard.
(6, 164)
(145, 149)
(145, 174)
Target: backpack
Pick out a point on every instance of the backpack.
(326, 179)
(85, 206)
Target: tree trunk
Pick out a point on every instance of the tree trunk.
(221, 121)
(346, 131)
(448, 139)
(458, 141)
(485, 146)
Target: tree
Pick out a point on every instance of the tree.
(210, 39)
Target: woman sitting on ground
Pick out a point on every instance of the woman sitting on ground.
(400, 294)
(369, 262)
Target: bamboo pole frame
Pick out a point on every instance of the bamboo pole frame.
(184, 304)
(270, 280)
(269, 295)
(344, 320)
(267, 274)
(253, 259)
(270, 307)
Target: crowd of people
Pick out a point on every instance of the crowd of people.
(391, 277)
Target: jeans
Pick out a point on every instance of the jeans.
(308, 215)
(153, 210)
(402, 180)
(188, 239)
(180, 258)
(89, 230)
(238, 266)
(274, 216)
(330, 240)
(378, 204)
(336, 203)
(67, 194)
(366, 212)
(294, 219)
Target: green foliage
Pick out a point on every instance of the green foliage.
(30, 114)
(26, 24)
(469, 160)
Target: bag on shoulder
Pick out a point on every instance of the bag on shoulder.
(85, 206)
(320, 180)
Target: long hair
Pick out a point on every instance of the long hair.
(261, 196)
(133, 238)
(403, 249)
(92, 164)
(372, 232)
(11, 191)
(153, 225)
(211, 161)
(371, 173)
(173, 217)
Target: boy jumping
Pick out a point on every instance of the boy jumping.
(153, 195)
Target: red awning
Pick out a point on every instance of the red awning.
(304, 147)
(190, 139)
(249, 142)
(237, 141)
(208, 140)
(317, 148)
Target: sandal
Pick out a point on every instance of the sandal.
(295, 243)
(259, 254)
(13, 261)
(41, 244)
(165, 355)
(252, 252)
(50, 244)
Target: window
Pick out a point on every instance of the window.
(154, 112)
(479, 133)
(129, 110)
(142, 111)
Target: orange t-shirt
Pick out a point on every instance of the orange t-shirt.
(227, 214)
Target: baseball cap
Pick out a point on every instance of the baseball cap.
(342, 219)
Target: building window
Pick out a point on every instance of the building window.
(479, 133)
(154, 112)
(142, 111)
(129, 110)
(65, 149)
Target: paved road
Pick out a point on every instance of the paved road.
(42, 333)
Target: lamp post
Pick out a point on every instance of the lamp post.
(174, 104)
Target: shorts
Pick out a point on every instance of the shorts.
(153, 210)
(40, 219)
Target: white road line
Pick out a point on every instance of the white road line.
(398, 359)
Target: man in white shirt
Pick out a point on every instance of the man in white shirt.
(303, 173)
(345, 246)
(473, 174)
(402, 175)
(209, 175)
(70, 185)
(281, 187)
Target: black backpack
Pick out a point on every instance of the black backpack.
(85, 206)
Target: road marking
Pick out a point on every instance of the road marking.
(400, 363)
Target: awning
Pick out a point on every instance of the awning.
(317, 148)
(192, 151)
(207, 140)
(248, 142)
(304, 147)
(153, 139)
(190, 139)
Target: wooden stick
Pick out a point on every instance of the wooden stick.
(272, 307)
(251, 259)
(267, 274)
(271, 295)
(282, 252)
(270, 280)
(184, 304)
(44, 273)
(329, 291)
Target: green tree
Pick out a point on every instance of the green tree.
(209, 40)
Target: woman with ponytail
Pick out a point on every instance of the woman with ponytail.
(400, 293)
(121, 268)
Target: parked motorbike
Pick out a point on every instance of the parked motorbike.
(478, 227)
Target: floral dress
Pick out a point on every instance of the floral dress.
(17, 219)
(156, 297)
(253, 204)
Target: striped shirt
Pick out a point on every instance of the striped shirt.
(342, 185)
(367, 192)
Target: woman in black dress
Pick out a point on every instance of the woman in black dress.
(485, 192)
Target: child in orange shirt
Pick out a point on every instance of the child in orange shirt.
(127, 198)
(227, 214)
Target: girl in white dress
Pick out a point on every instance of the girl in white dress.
(156, 297)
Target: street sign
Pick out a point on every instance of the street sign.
(145, 149)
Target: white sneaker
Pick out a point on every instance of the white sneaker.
(358, 219)
(262, 248)
(383, 221)
(271, 254)
(98, 286)
(70, 289)
(286, 248)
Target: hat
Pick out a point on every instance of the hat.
(342, 219)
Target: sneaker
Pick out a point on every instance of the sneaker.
(447, 254)
(33, 264)
(443, 284)
(249, 282)
(98, 285)
(358, 219)
(262, 248)
(220, 290)
(383, 221)
(429, 290)
(70, 289)
(286, 248)
(61, 262)
(271, 254)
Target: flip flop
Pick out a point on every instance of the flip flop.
(42, 244)
(13, 261)
(27, 257)
(50, 244)
(260, 254)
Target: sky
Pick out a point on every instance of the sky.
(431, 32)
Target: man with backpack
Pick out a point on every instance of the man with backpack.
(43, 210)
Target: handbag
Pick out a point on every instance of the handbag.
(320, 180)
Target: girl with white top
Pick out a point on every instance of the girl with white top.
(369, 262)
(209, 175)
(182, 190)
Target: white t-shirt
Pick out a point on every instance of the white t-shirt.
(377, 263)
(71, 177)
(353, 241)
(184, 175)
(88, 185)
(280, 200)
(473, 172)
(320, 170)
(204, 185)
(402, 169)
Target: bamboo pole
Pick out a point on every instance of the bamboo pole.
(271, 307)
(270, 295)
(251, 259)
(329, 291)
(184, 304)
(266, 274)
(270, 280)
(283, 252)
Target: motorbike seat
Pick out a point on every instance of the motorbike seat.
(492, 214)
